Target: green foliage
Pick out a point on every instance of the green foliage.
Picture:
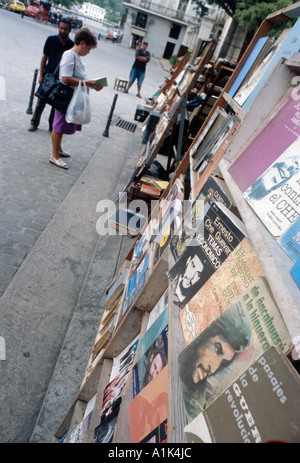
(250, 14)
(201, 9)
(114, 9)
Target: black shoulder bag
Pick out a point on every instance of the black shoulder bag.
(54, 92)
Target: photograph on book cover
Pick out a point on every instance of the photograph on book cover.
(275, 196)
(227, 347)
(262, 405)
(234, 276)
(151, 362)
(217, 235)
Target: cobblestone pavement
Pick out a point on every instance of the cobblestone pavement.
(32, 189)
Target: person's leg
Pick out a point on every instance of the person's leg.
(56, 143)
(56, 148)
(51, 117)
(36, 117)
(132, 77)
(140, 79)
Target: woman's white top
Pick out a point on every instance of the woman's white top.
(71, 65)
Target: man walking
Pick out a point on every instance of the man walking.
(54, 47)
(138, 70)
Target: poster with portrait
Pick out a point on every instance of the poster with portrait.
(275, 196)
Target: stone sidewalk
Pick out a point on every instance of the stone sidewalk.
(54, 267)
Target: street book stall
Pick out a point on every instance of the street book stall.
(198, 338)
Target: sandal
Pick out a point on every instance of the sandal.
(58, 162)
(63, 154)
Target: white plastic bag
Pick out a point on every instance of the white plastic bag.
(79, 111)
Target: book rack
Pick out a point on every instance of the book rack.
(275, 262)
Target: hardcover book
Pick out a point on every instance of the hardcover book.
(288, 44)
(261, 71)
(262, 405)
(217, 236)
(236, 339)
(281, 129)
(236, 274)
(149, 408)
(262, 44)
(275, 196)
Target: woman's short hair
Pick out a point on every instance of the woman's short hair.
(84, 34)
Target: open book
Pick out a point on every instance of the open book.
(101, 81)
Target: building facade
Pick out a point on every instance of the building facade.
(94, 11)
(169, 24)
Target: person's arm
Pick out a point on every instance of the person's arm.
(139, 56)
(74, 82)
(42, 67)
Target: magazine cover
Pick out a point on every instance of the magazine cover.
(275, 196)
(228, 346)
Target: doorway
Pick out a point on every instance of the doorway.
(169, 50)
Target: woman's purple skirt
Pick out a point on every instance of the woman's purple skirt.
(60, 125)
